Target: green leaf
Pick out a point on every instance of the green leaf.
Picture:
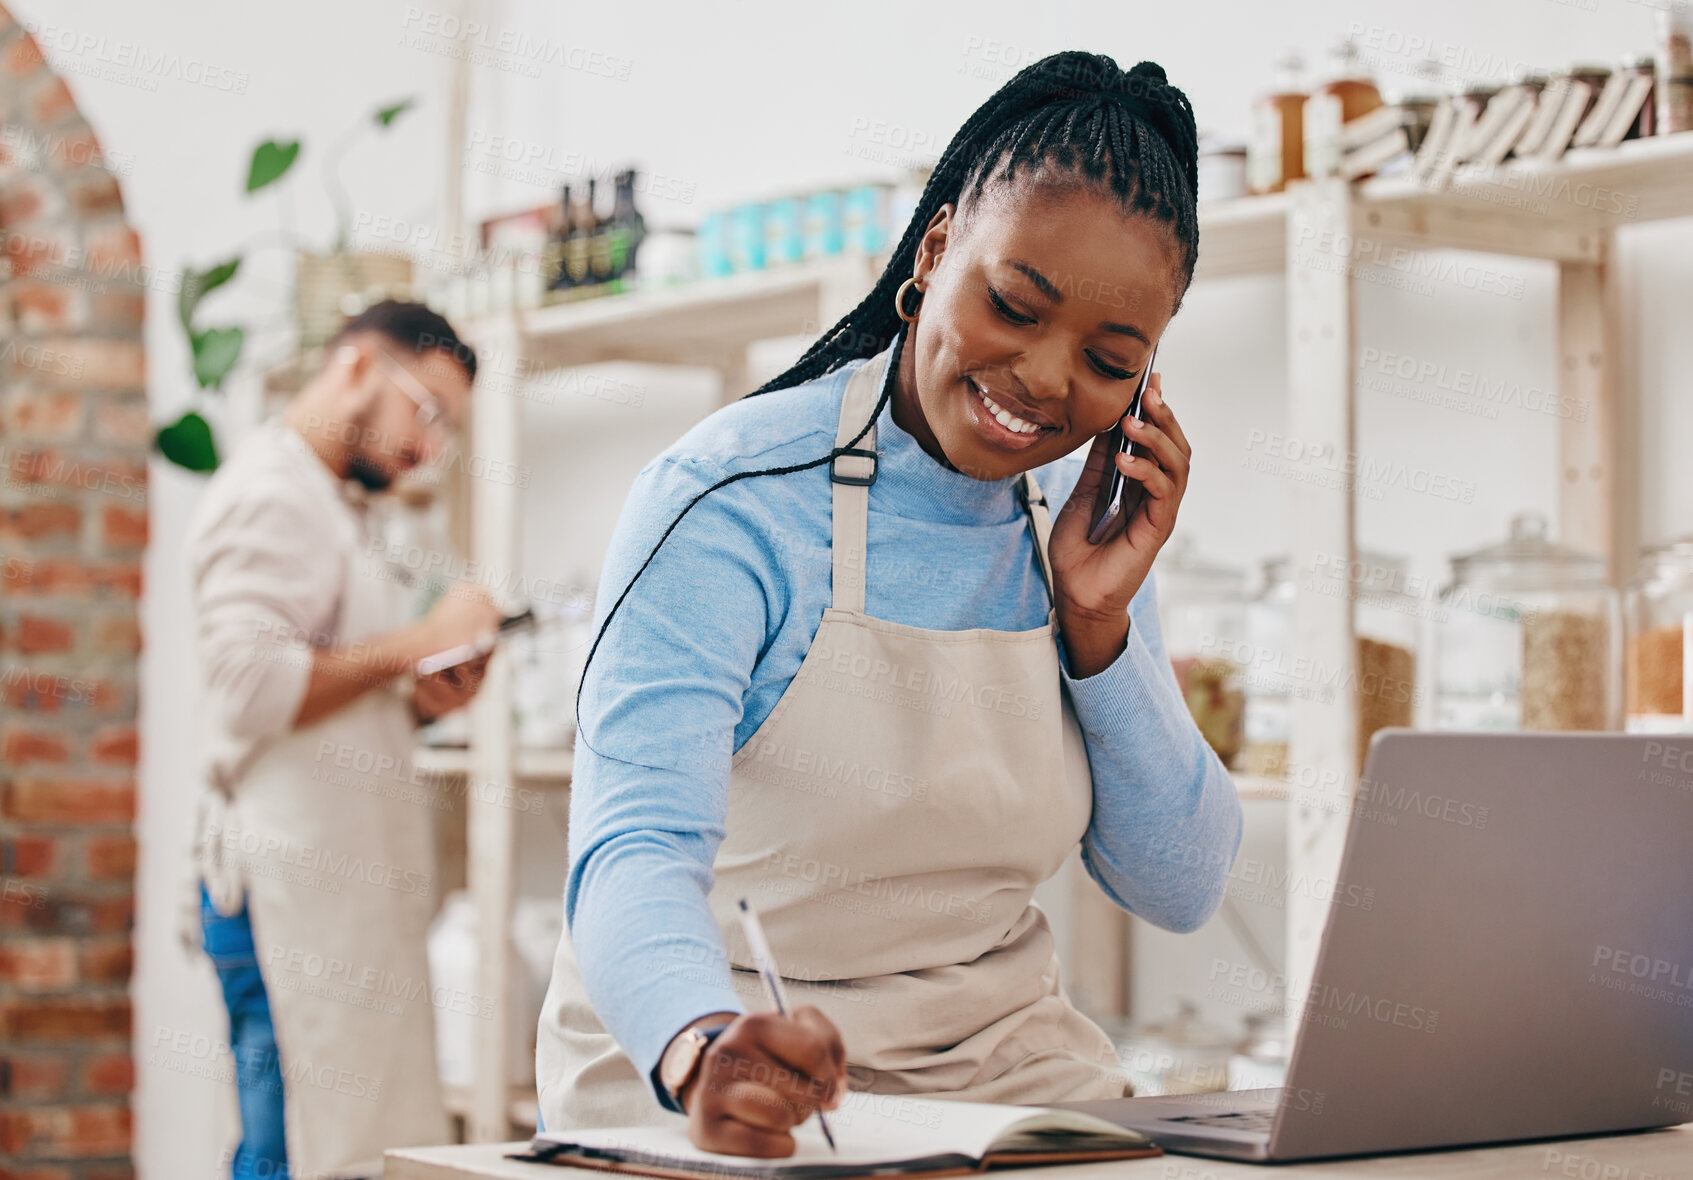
(270, 161)
(197, 284)
(215, 352)
(188, 443)
(386, 116)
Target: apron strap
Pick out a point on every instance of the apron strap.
(853, 470)
(851, 474)
(1040, 523)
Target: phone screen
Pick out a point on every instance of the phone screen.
(1117, 496)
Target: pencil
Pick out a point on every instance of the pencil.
(772, 981)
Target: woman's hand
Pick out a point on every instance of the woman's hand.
(1093, 584)
(764, 1074)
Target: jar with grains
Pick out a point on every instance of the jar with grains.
(1387, 620)
(1383, 684)
(1527, 637)
(1660, 641)
(1202, 608)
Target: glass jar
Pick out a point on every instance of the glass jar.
(1202, 610)
(1674, 90)
(1177, 1053)
(1660, 641)
(1385, 627)
(1268, 679)
(1385, 624)
(1528, 638)
(1348, 93)
(1276, 152)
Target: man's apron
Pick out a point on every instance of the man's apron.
(325, 833)
(890, 821)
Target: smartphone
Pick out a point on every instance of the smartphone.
(464, 653)
(1117, 497)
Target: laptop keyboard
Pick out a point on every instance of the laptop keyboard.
(1254, 1121)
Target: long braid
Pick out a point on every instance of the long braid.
(1074, 112)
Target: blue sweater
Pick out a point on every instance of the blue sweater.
(709, 638)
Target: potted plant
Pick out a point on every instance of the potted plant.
(322, 281)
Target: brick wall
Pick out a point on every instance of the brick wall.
(74, 433)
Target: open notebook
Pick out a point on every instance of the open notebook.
(877, 1134)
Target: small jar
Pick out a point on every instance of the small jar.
(1384, 685)
(1347, 94)
(1268, 660)
(1386, 626)
(1276, 151)
(1528, 638)
(1660, 642)
(1675, 69)
(1202, 610)
(1222, 171)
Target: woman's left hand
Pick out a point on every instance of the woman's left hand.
(1094, 584)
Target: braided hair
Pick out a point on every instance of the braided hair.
(1073, 117)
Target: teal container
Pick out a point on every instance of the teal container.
(712, 246)
(823, 231)
(746, 237)
(864, 219)
(784, 231)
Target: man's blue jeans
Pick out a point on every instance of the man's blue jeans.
(263, 1154)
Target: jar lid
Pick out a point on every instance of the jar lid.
(1530, 559)
(1370, 571)
(1179, 565)
(1677, 554)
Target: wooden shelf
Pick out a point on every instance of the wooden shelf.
(708, 323)
(1320, 235)
(548, 766)
(1552, 211)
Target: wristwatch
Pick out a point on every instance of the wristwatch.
(683, 1056)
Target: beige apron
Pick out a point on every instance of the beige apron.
(338, 867)
(890, 821)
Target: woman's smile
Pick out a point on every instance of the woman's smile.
(1004, 421)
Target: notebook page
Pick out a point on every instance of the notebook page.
(868, 1129)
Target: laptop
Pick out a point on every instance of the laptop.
(1523, 967)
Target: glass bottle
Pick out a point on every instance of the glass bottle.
(1527, 638)
(554, 259)
(578, 234)
(599, 242)
(1275, 153)
(1660, 642)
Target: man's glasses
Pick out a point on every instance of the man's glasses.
(430, 413)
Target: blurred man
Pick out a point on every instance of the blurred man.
(316, 849)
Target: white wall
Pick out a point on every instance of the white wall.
(763, 98)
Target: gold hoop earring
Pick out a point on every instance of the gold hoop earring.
(899, 300)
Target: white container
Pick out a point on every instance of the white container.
(1222, 172)
(462, 1016)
